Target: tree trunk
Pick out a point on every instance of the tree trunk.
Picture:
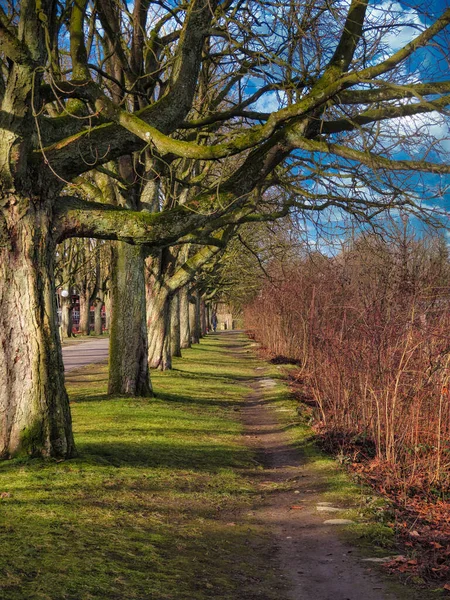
(108, 311)
(34, 407)
(166, 362)
(203, 326)
(98, 325)
(175, 341)
(208, 317)
(185, 330)
(66, 317)
(197, 317)
(158, 326)
(128, 357)
(85, 312)
(195, 333)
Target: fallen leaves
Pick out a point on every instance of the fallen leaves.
(421, 522)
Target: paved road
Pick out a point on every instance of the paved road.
(85, 353)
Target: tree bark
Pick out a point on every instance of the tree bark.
(197, 316)
(85, 312)
(193, 323)
(175, 340)
(158, 326)
(108, 311)
(66, 317)
(208, 317)
(34, 408)
(203, 325)
(185, 330)
(128, 357)
(166, 362)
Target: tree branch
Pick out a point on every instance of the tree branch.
(374, 161)
(78, 218)
(350, 36)
(383, 114)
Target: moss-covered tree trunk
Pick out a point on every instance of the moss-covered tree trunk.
(34, 408)
(185, 330)
(175, 341)
(158, 327)
(128, 357)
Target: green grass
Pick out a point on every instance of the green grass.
(155, 505)
(83, 338)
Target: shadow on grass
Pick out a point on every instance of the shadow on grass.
(226, 376)
(198, 401)
(111, 560)
(170, 454)
(146, 454)
(86, 397)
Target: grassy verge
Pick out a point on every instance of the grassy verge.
(154, 507)
(83, 338)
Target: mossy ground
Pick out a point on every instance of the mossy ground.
(154, 506)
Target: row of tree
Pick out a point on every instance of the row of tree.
(161, 317)
(165, 127)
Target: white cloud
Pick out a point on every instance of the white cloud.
(270, 102)
(404, 24)
(434, 126)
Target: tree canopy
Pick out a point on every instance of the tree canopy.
(315, 96)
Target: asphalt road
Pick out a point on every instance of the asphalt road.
(85, 353)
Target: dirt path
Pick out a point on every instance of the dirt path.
(315, 563)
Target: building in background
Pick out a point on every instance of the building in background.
(225, 318)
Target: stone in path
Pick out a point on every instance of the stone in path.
(329, 509)
(338, 522)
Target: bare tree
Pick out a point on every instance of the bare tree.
(91, 82)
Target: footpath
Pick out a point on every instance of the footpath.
(315, 560)
(83, 353)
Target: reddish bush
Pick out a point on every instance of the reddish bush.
(370, 331)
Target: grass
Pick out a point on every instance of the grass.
(83, 338)
(155, 505)
(158, 504)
